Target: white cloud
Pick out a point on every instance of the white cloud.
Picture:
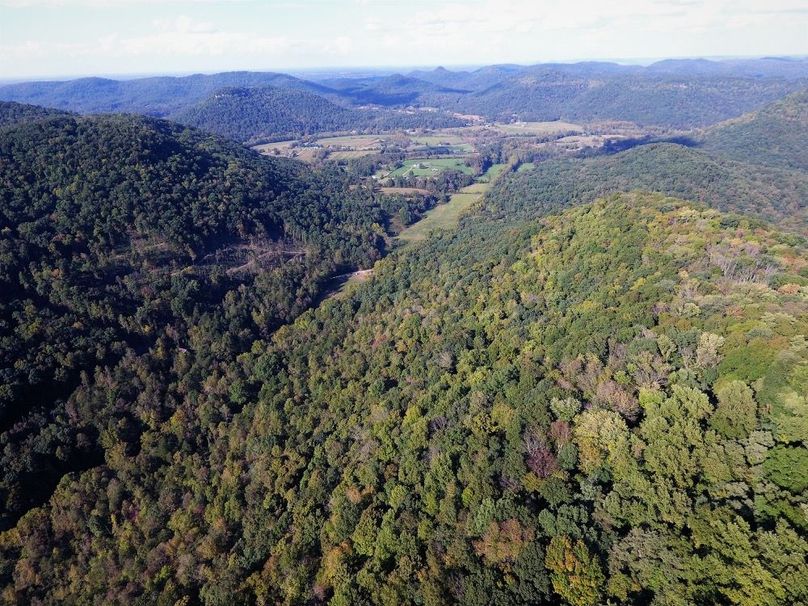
(182, 36)
(383, 32)
(101, 3)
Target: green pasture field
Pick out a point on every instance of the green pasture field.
(494, 171)
(437, 140)
(424, 167)
(355, 141)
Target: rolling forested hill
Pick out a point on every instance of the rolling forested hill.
(253, 114)
(243, 114)
(158, 96)
(602, 404)
(773, 194)
(672, 101)
(592, 391)
(773, 136)
(12, 114)
(137, 243)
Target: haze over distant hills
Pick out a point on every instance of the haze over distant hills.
(675, 93)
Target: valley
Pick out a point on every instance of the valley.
(506, 335)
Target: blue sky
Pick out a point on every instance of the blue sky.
(50, 38)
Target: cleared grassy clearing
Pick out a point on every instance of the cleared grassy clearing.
(539, 128)
(525, 166)
(439, 139)
(349, 154)
(354, 141)
(268, 148)
(494, 171)
(422, 167)
(477, 188)
(446, 216)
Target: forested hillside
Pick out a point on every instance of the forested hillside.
(606, 404)
(243, 114)
(773, 136)
(677, 102)
(255, 114)
(12, 114)
(587, 386)
(157, 96)
(134, 241)
(773, 194)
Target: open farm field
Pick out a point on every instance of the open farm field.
(538, 128)
(420, 167)
(354, 141)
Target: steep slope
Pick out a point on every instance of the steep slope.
(244, 114)
(134, 241)
(524, 412)
(774, 135)
(769, 193)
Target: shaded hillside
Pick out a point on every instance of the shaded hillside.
(12, 114)
(134, 241)
(775, 135)
(255, 114)
(679, 95)
(677, 102)
(393, 90)
(245, 114)
(768, 193)
(522, 413)
(158, 96)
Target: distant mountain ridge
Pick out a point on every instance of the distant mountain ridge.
(157, 96)
(673, 93)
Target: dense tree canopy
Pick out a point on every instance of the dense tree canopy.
(774, 135)
(124, 236)
(589, 393)
(512, 414)
(769, 193)
(256, 114)
(12, 114)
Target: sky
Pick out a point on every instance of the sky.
(60, 38)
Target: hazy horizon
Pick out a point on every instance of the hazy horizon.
(60, 39)
(361, 70)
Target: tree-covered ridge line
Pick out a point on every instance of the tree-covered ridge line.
(774, 135)
(509, 414)
(13, 114)
(128, 239)
(769, 193)
(259, 114)
(155, 96)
